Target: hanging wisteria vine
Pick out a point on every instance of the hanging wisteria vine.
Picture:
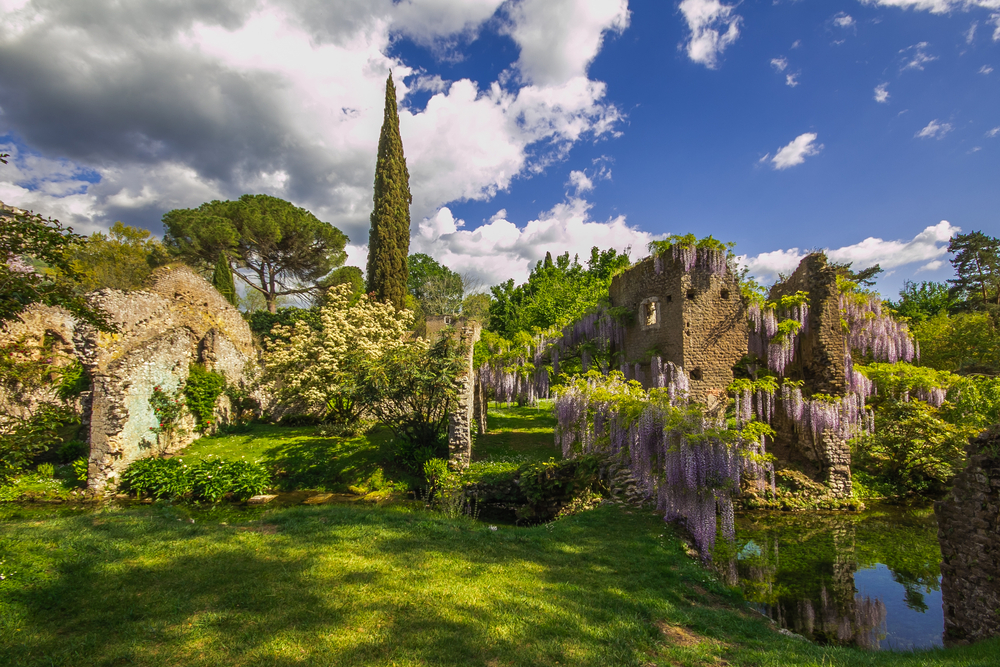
(689, 465)
(873, 331)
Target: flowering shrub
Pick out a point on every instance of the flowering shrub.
(321, 366)
(167, 407)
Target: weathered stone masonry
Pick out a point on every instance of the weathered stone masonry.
(694, 319)
(969, 533)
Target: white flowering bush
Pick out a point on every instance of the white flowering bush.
(320, 368)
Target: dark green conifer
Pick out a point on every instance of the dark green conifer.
(222, 279)
(389, 240)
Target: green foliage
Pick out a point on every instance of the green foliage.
(286, 249)
(73, 450)
(476, 307)
(863, 280)
(73, 381)
(438, 289)
(80, 469)
(977, 268)
(222, 279)
(902, 379)
(201, 391)
(24, 440)
(123, 259)
(35, 268)
(167, 407)
(923, 301)
(389, 239)
(689, 241)
(912, 447)
(262, 322)
(210, 479)
(410, 389)
(349, 275)
(974, 402)
(962, 343)
(556, 294)
(786, 329)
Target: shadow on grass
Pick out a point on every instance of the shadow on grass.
(524, 432)
(338, 585)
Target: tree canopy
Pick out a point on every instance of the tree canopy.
(977, 269)
(121, 259)
(389, 240)
(285, 249)
(557, 292)
(35, 267)
(438, 289)
(920, 302)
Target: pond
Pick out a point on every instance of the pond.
(871, 579)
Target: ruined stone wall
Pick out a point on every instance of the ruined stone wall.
(820, 358)
(819, 363)
(969, 533)
(181, 319)
(700, 323)
(461, 417)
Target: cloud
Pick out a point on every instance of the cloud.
(560, 38)
(915, 57)
(780, 64)
(934, 130)
(580, 181)
(170, 105)
(970, 34)
(993, 133)
(796, 151)
(927, 247)
(985, 69)
(934, 6)
(843, 20)
(713, 27)
(792, 80)
(995, 20)
(500, 250)
(882, 93)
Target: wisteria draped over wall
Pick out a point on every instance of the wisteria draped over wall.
(690, 257)
(688, 465)
(777, 351)
(871, 330)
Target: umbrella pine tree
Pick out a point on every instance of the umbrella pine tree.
(389, 240)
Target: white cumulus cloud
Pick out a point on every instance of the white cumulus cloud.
(882, 93)
(780, 64)
(934, 130)
(714, 27)
(926, 248)
(796, 152)
(500, 249)
(935, 6)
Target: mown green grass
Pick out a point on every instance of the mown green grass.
(518, 433)
(351, 585)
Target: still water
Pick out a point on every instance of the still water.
(870, 579)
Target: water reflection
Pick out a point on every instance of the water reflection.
(870, 579)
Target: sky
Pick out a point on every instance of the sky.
(866, 128)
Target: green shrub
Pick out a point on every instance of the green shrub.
(45, 470)
(168, 408)
(202, 390)
(72, 450)
(209, 479)
(156, 478)
(24, 441)
(80, 469)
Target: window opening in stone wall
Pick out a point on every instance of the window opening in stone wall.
(724, 294)
(691, 294)
(649, 313)
(669, 298)
(696, 373)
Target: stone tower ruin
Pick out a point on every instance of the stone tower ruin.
(693, 318)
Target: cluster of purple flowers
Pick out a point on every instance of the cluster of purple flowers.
(847, 416)
(871, 330)
(683, 462)
(779, 352)
(690, 257)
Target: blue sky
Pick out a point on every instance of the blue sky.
(871, 129)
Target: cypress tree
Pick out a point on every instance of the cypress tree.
(389, 239)
(222, 279)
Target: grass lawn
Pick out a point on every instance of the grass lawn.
(356, 584)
